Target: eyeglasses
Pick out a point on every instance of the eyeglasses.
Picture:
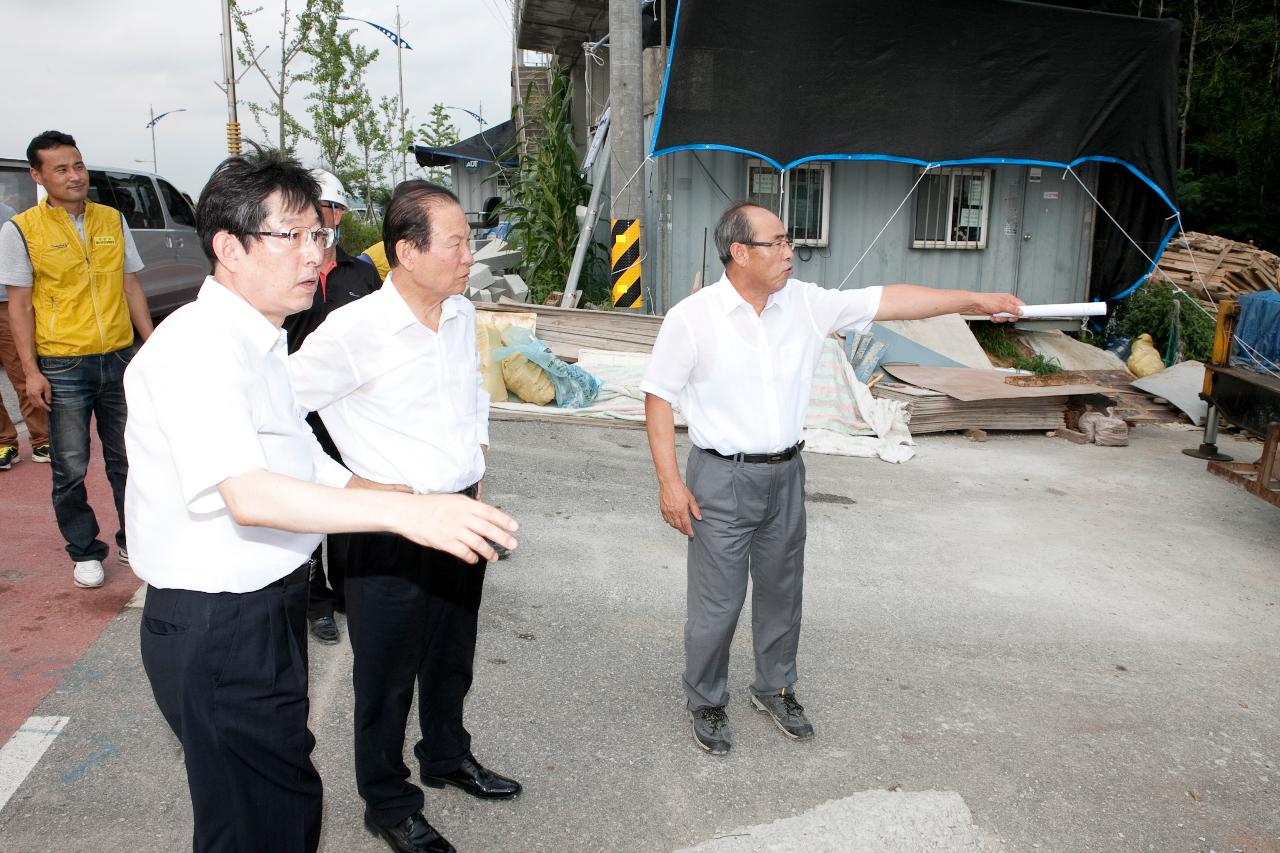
(333, 205)
(776, 245)
(296, 238)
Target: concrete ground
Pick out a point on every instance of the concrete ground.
(1021, 644)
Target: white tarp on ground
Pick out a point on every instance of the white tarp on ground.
(844, 419)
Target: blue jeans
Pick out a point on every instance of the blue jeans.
(85, 386)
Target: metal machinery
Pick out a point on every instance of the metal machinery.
(1248, 399)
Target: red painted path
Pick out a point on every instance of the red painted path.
(46, 622)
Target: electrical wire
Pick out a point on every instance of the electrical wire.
(892, 217)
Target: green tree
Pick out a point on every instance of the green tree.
(546, 191)
(371, 148)
(336, 76)
(282, 78)
(438, 131)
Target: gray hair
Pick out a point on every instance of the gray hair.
(733, 227)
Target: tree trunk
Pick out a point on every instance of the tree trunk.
(1191, 68)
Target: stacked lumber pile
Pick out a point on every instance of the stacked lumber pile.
(1227, 268)
(568, 330)
(933, 411)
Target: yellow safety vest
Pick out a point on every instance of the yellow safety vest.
(378, 254)
(77, 289)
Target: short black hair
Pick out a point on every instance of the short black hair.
(235, 198)
(45, 141)
(409, 215)
(733, 227)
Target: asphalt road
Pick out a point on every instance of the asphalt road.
(1021, 644)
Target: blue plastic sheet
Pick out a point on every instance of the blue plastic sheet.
(1258, 332)
(575, 388)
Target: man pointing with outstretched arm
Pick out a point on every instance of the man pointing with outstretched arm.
(738, 359)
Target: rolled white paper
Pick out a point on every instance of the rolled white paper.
(1069, 309)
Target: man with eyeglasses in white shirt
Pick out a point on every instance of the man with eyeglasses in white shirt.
(738, 358)
(228, 496)
(395, 378)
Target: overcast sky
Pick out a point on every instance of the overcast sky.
(92, 69)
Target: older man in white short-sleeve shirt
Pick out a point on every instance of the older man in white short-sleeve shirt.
(737, 358)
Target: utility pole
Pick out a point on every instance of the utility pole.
(626, 153)
(404, 154)
(228, 83)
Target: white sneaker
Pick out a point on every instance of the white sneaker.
(88, 574)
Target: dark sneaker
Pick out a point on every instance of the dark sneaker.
(42, 453)
(787, 713)
(8, 457)
(123, 556)
(711, 730)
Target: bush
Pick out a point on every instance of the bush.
(1150, 309)
(358, 234)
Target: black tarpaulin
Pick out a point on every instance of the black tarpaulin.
(946, 82)
(488, 146)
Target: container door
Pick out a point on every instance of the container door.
(1057, 217)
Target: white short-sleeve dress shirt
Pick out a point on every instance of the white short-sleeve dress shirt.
(404, 405)
(209, 399)
(742, 379)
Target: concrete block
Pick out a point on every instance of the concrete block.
(478, 295)
(497, 256)
(511, 285)
(481, 277)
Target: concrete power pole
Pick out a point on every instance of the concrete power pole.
(626, 152)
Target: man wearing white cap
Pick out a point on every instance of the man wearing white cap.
(342, 280)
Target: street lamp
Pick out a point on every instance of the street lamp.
(400, 44)
(152, 125)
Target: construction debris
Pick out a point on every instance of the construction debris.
(567, 330)
(1215, 268)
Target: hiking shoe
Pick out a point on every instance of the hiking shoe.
(786, 712)
(42, 453)
(88, 574)
(9, 457)
(123, 556)
(711, 730)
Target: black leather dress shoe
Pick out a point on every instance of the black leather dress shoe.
(325, 630)
(411, 835)
(477, 780)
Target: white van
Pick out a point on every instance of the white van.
(162, 220)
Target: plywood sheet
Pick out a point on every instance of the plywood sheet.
(1070, 353)
(947, 335)
(969, 384)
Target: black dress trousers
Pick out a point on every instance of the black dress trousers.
(229, 673)
(411, 616)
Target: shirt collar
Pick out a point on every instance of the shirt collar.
(232, 307)
(397, 316)
(731, 299)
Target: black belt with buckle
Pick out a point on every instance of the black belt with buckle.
(759, 458)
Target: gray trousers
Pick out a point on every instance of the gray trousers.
(753, 524)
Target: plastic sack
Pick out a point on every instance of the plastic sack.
(487, 340)
(527, 380)
(1145, 358)
(574, 387)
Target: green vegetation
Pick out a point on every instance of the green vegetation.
(998, 342)
(1150, 309)
(546, 192)
(358, 233)
(1037, 364)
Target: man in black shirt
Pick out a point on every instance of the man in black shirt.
(342, 280)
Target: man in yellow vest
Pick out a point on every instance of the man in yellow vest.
(74, 304)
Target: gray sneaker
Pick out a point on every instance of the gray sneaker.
(711, 730)
(786, 712)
